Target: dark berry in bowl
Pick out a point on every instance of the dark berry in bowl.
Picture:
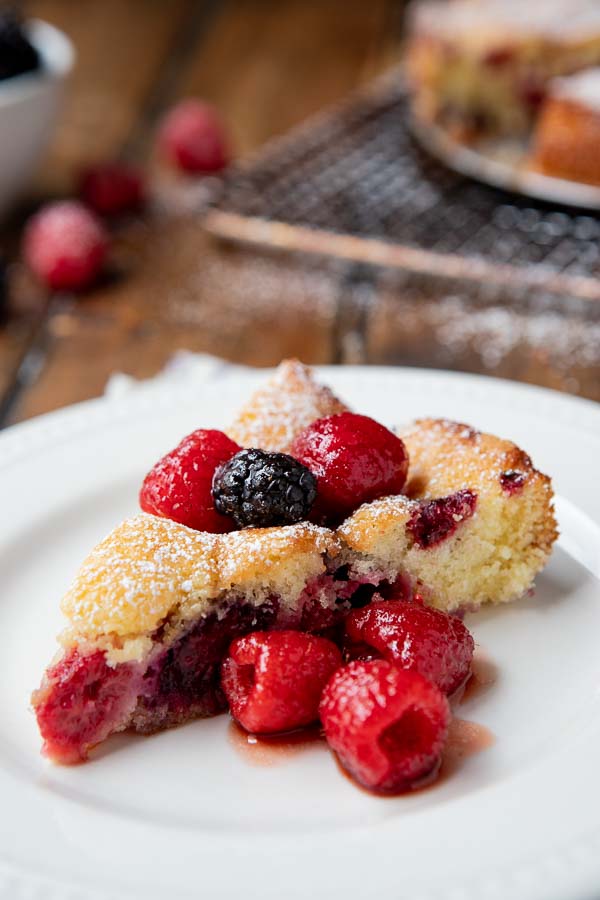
(260, 489)
(17, 55)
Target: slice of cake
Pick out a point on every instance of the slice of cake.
(155, 606)
(567, 135)
(482, 67)
(152, 612)
(476, 526)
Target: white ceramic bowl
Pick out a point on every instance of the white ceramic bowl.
(28, 108)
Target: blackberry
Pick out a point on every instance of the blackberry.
(261, 489)
(17, 55)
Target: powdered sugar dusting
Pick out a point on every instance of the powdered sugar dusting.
(150, 568)
(289, 402)
(135, 576)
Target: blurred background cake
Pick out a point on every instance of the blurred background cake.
(480, 67)
(567, 136)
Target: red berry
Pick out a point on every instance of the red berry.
(387, 725)
(425, 640)
(179, 486)
(81, 701)
(65, 245)
(273, 680)
(192, 137)
(355, 459)
(112, 188)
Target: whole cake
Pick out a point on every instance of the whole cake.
(451, 517)
(482, 67)
(567, 134)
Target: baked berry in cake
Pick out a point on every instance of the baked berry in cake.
(483, 68)
(154, 609)
(567, 134)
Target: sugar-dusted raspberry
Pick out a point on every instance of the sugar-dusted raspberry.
(355, 459)
(273, 680)
(388, 726)
(192, 137)
(112, 188)
(65, 245)
(419, 638)
(262, 489)
(179, 486)
(80, 702)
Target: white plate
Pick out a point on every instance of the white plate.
(502, 164)
(182, 814)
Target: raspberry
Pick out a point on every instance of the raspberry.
(80, 702)
(65, 245)
(355, 459)
(419, 638)
(112, 188)
(17, 55)
(192, 137)
(436, 520)
(178, 487)
(273, 680)
(261, 489)
(387, 725)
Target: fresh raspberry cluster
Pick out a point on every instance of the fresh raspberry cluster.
(351, 460)
(385, 712)
(386, 717)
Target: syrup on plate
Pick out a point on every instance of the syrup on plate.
(270, 750)
(465, 738)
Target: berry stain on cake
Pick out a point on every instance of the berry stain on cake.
(436, 520)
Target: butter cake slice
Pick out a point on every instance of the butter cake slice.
(154, 607)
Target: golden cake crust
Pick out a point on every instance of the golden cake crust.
(447, 456)
(149, 569)
(289, 401)
(510, 534)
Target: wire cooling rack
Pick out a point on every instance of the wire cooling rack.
(439, 270)
(359, 178)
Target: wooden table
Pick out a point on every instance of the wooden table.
(267, 65)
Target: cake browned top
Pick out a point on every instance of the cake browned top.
(447, 456)
(286, 404)
(149, 568)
